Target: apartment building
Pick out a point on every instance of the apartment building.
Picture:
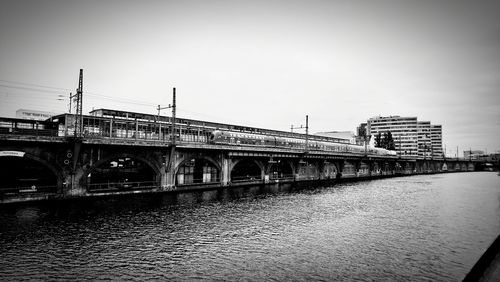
(411, 137)
(437, 140)
(424, 139)
(403, 129)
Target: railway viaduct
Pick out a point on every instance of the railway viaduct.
(41, 167)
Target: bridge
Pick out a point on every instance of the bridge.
(118, 152)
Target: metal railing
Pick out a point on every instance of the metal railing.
(246, 178)
(26, 190)
(121, 186)
(198, 181)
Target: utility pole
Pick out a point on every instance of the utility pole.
(79, 106)
(70, 98)
(303, 127)
(173, 137)
(159, 123)
(307, 132)
(173, 120)
(77, 139)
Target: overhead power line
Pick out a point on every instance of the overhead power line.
(33, 84)
(53, 90)
(123, 100)
(30, 89)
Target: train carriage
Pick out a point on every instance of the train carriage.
(254, 139)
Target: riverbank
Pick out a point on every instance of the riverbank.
(27, 196)
(487, 268)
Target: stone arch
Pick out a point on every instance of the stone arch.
(280, 169)
(385, 167)
(57, 172)
(126, 178)
(156, 167)
(330, 170)
(309, 170)
(338, 166)
(444, 166)
(197, 169)
(188, 158)
(463, 167)
(399, 167)
(376, 168)
(255, 171)
(364, 168)
(407, 168)
(349, 168)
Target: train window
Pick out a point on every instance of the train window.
(5, 124)
(24, 125)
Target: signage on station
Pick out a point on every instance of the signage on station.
(11, 154)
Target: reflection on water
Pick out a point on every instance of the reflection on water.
(431, 227)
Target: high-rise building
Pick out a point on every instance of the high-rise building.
(411, 137)
(424, 139)
(403, 130)
(437, 140)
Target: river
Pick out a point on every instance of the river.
(415, 228)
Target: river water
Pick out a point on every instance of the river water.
(420, 228)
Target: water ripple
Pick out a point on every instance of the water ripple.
(419, 228)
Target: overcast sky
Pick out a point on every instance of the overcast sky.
(263, 63)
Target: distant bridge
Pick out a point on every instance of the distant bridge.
(123, 152)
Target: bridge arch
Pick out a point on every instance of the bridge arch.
(363, 168)
(26, 171)
(330, 170)
(349, 169)
(246, 170)
(309, 170)
(197, 170)
(280, 169)
(121, 172)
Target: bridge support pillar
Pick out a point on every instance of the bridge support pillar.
(225, 171)
(73, 185)
(166, 178)
(340, 168)
(167, 173)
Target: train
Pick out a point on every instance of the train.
(224, 137)
(118, 124)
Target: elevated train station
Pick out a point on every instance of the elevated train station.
(116, 152)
